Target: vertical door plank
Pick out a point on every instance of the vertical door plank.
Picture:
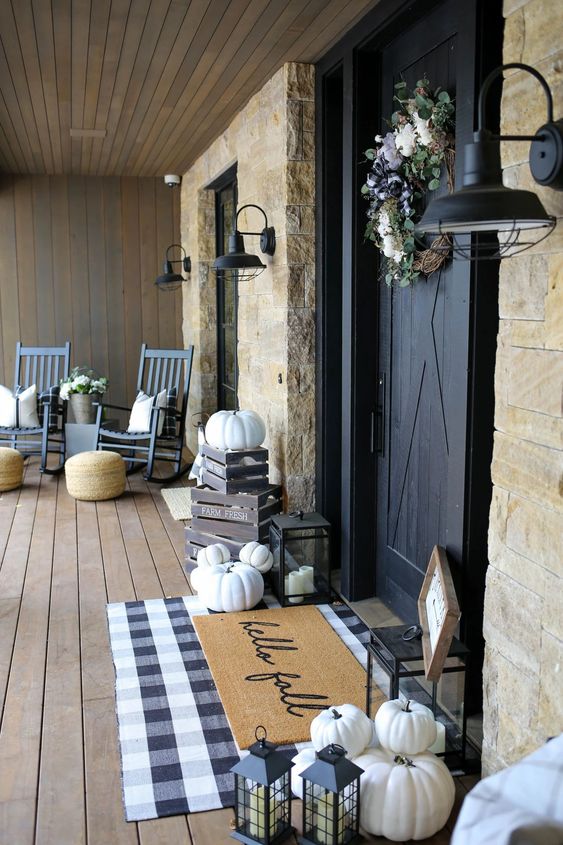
(61, 776)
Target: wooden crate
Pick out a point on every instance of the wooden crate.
(230, 518)
(245, 470)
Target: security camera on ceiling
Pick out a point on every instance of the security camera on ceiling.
(172, 180)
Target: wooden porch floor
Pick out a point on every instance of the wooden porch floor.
(61, 561)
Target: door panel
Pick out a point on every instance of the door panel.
(423, 362)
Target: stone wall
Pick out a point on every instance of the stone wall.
(523, 626)
(272, 142)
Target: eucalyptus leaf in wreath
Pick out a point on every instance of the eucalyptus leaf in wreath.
(406, 163)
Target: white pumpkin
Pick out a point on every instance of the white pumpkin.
(301, 762)
(404, 798)
(405, 727)
(235, 430)
(228, 588)
(213, 555)
(345, 725)
(258, 556)
(196, 577)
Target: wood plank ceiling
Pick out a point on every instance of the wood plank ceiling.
(152, 82)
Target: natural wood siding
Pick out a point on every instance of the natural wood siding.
(78, 260)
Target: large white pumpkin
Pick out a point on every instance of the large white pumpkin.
(230, 587)
(196, 577)
(301, 762)
(235, 430)
(405, 727)
(403, 797)
(258, 556)
(213, 555)
(345, 725)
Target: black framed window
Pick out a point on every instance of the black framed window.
(227, 295)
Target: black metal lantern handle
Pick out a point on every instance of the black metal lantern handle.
(485, 90)
(185, 261)
(261, 739)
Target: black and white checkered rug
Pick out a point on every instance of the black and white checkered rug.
(176, 745)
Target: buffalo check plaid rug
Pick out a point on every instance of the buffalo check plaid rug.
(176, 745)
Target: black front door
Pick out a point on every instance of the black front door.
(422, 379)
(415, 375)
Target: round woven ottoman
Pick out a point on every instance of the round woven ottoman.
(95, 476)
(11, 469)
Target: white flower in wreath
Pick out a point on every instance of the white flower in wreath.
(384, 225)
(405, 140)
(398, 256)
(390, 246)
(424, 133)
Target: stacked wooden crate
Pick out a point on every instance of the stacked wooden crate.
(236, 502)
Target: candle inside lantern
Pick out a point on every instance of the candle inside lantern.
(308, 573)
(295, 587)
(439, 747)
(258, 813)
(324, 820)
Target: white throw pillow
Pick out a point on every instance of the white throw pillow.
(27, 400)
(140, 419)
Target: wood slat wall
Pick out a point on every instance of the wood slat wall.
(78, 261)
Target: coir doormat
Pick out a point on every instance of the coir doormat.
(278, 668)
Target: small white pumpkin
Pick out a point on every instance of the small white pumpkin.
(345, 725)
(403, 798)
(405, 727)
(301, 762)
(258, 556)
(196, 577)
(235, 430)
(228, 588)
(213, 555)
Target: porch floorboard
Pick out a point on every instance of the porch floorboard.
(60, 562)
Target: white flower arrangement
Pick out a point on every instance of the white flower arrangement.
(406, 162)
(82, 380)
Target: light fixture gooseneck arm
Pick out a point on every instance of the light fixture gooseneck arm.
(494, 74)
(251, 205)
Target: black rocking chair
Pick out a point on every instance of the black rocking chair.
(43, 366)
(159, 369)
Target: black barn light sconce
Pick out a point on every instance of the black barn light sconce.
(170, 280)
(244, 264)
(483, 205)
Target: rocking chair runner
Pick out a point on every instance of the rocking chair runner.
(43, 366)
(159, 369)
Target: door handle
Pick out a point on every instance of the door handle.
(380, 428)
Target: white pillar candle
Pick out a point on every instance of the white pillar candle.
(258, 810)
(439, 746)
(308, 578)
(296, 586)
(323, 819)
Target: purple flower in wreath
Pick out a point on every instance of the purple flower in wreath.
(390, 152)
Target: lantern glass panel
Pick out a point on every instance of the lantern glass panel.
(330, 817)
(263, 812)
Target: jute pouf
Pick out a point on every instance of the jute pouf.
(95, 476)
(11, 469)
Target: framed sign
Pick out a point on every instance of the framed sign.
(438, 612)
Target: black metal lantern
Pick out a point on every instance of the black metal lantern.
(262, 794)
(169, 280)
(300, 544)
(331, 799)
(237, 262)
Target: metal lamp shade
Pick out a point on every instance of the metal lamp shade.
(237, 260)
(485, 205)
(169, 281)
